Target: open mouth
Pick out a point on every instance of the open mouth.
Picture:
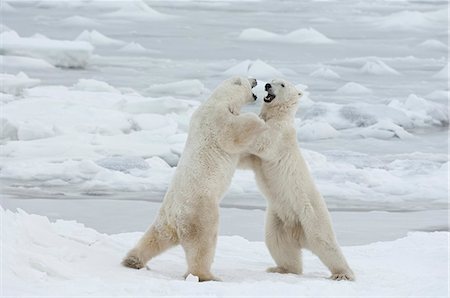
(269, 97)
(254, 96)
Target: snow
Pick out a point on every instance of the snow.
(185, 87)
(300, 36)
(254, 69)
(442, 74)
(353, 88)
(413, 20)
(324, 72)
(98, 39)
(136, 10)
(80, 21)
(94, 86)
(433, 44)
(15, 84)
(378, 67)
(135, 48)
(62, 53)
(315, 130)
(43, 258)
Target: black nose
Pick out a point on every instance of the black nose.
(267, 87)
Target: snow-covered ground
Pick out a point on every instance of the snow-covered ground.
(96, 97)
(65, 258)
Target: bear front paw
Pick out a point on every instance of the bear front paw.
(342, 276)
(132, 262)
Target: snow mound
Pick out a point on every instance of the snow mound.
(15, 84)
(98, 39)
(136, 10)
(185, 87)
(433, 44)
(44, 258)
(255, 69)
(80, 21)
(442, 74)
(325, 72)
(315, 130)
(135, 48)
(353, 88)
(94, 86)
(385, 130)
(378, 67)
(61, 53)
(300, 36)
(413, 20)
(421, 111)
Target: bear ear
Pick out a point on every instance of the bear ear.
(237, 81)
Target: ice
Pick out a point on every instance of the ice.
(42, 258)
(80, 21)
(385, 129)
(413, 20)
(324, 72)
(5, 7)
(301, 36)
(315, 130)
(442, 74)
(136, 10)
(24, 63)
(123, 163)
(254, 69)
(135, 48)
(421, 111)
(15, 84)
(378, 67)
(62, 53)
(98, 39)
(433, 44)
(353, 88)
(185, 87)
(94, 86)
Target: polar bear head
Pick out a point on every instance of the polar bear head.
(235, 91)
(281, 93)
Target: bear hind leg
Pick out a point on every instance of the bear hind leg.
(283, 246)
(199, 240)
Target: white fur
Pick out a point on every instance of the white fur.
(189, 214)
(297, 216)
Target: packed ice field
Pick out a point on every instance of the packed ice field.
(96, 98)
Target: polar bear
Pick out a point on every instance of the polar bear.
(297, 216)
(189, 214)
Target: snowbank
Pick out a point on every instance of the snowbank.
(413, 20)
(353, 88)
(433, 44)
(80, 21)
(185, 87)
(15, 84)
(255, 69)
(300, 36)
(136, 10)
(94, 86)
(325, 72)
(43, 258)
(315, 130)
(135, 48)
(442, 74)
(61, 53)
(98, 39)
(378, 67)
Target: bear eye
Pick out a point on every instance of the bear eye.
(282, 85)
